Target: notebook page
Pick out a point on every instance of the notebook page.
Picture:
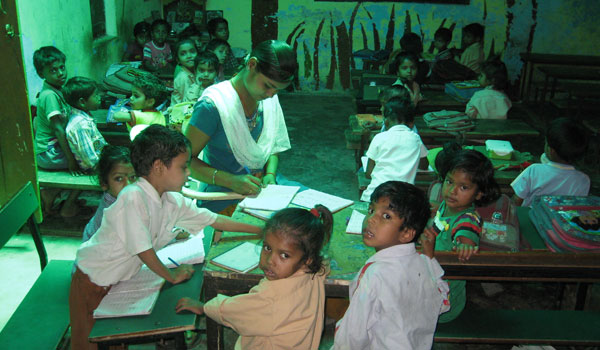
(190, 251)
(310, 198)
(243, 258)
(355, 222)
(272, 197)
(139, 302)
(144, 279)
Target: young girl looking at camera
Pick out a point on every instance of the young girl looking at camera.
(468, 182)
(286, 308)
(185, 79)
(114, 173)
(407, 64)
(491, 102)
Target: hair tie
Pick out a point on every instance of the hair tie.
(315, 212)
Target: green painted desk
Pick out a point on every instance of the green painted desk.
(62, 179)
(163, 322)
(348, 254)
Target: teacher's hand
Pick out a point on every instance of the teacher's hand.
(246, 184)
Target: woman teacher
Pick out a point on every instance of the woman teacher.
(239, 127)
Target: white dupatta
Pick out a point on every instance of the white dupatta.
(273, 138)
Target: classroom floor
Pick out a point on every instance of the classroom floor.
(318, 159)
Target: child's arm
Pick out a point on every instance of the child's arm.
(59, 131)
(177, 275)
(270, 170)
(224, 223)
(465, 248)
(428, 242)
(190, 304)
(122, 116)
(370, 167)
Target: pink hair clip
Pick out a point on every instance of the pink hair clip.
(315, 212)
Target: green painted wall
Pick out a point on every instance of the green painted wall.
(512, 26)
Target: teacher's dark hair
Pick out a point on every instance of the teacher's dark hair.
(276, 60)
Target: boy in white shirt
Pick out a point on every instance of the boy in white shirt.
(396, 297)
(566, 141)
(395, 153)
(138, 224)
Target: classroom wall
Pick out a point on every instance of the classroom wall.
(322, 30)
(66, 24)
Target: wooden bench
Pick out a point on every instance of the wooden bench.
(63, 179)
(42, 319)
(553, 327)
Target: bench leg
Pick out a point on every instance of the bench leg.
(180, 341)
(37, 239)
(582, 289)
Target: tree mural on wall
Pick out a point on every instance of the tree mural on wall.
(341, 37)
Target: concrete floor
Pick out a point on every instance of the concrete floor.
(318, 159)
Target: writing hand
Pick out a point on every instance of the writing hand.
(246, 184)
(182, 273)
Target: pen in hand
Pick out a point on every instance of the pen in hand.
(174, 262)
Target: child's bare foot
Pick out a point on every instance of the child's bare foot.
(70, 207)
(48, 195)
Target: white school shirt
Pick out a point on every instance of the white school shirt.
(139, 220)
(488, 104)
(396, 302)
(396, 153)
(550, 179)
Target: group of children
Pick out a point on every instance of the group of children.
(398, 296)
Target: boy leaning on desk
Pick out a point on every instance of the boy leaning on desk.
(138, 224)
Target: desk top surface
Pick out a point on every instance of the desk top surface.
(62, 179)
(548, 58)
(576, 73)
(163, 319)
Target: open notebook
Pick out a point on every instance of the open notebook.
(135, 296)
(190, 251)
(242, 258)
(272, 197)
(310, 198)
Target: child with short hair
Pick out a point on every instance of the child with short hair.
(147, 92)
(395, 153)
(441, 40)
(184, 84)
(285, 310)
(468, 182)
(406, 67)
(157, 52)
(472, 44)
(218, 28)
(114, 172)
(491, 102)
(138, 224)
(85, 141)
(219, 48)
(135, 49)
(566, 141)
(51, 146)
(397, 296)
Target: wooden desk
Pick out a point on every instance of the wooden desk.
(347, 254)
(532, 60)
(359, 137)
(163, 322)
(434, 100)
(63, 179)
(556, 73)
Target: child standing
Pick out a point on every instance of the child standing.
(147, 92)
(469, 181)
(566, 141)
(114, 173)
(491, 102)
(51, 146)
(184, 85)
(139, 223)
(397, 296)
(218, 28)
(85, 141)
(135, 49)
(405, 66)
(157, 52)
(285, 310)
(472, 44)
(395, 153)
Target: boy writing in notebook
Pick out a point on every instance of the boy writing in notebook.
(138, 224)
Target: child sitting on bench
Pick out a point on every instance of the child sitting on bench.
(85, 141)
(138, 224)
(147, 92)
(51, 146)
(157, 52)
(397, 296)
(395, 153)
(491, 102)
(566, 141)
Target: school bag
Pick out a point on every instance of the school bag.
(121, 81)
(450, 121)
(561, 222)
(462, 91)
